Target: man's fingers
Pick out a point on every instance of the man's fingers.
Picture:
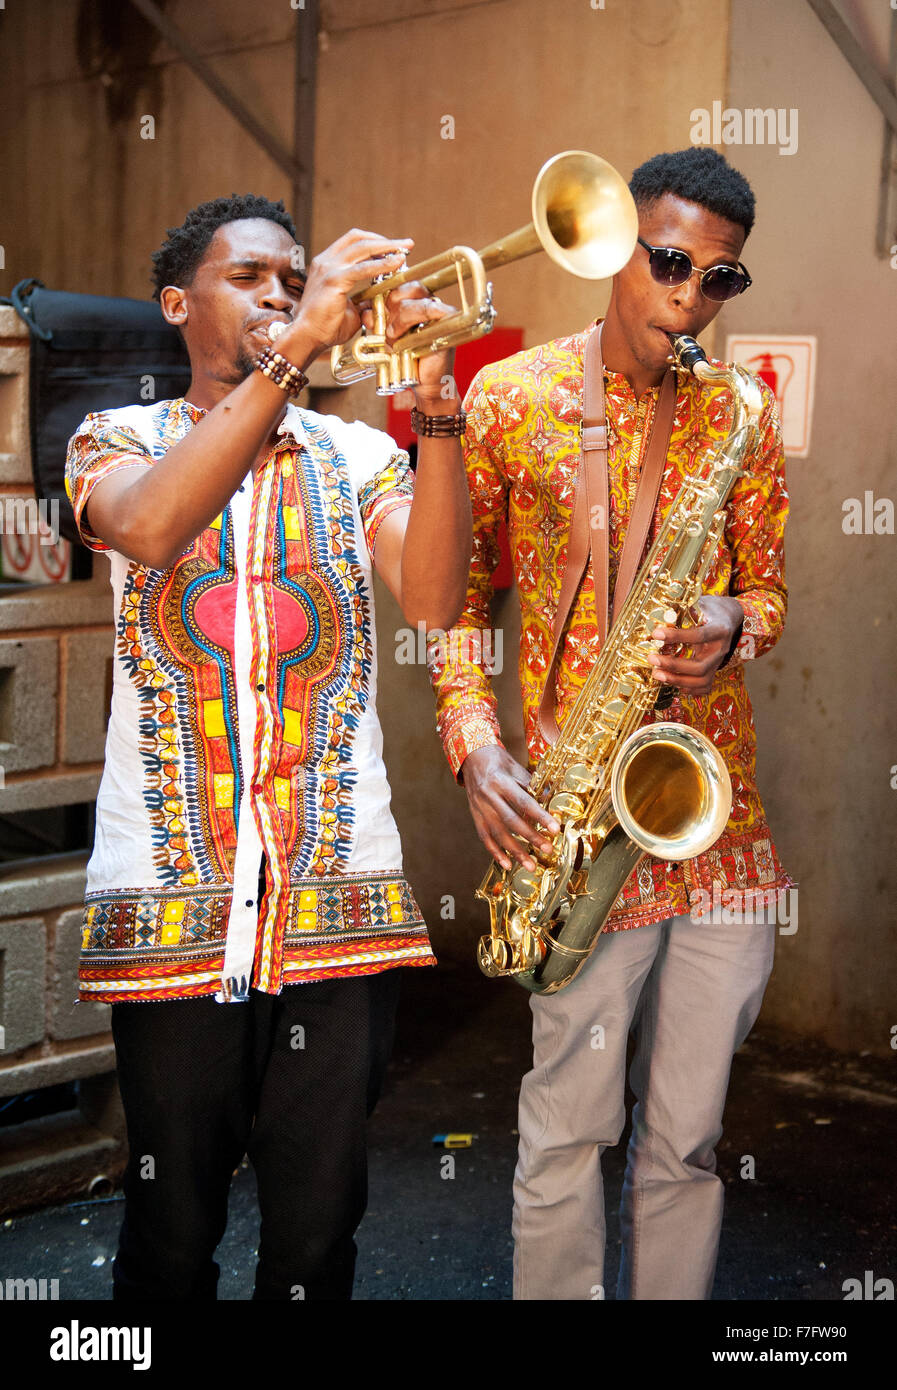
(363, 243)
(508, 828)
(492, 848)
(357, 272)
(690, 636)
(406, 314)
(685, 667)
(502, 845)
(412, 289)
(517, 796)
(495, 817)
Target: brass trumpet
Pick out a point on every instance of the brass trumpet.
(585, 219)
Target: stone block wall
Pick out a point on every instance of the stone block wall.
(55, 655)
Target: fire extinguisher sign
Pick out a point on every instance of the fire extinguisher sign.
(788, 366)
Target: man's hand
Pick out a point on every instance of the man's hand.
(502, 807)
(326, 315)
(710, 643)
(411, 304)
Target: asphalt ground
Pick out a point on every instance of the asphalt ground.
(820, 1209)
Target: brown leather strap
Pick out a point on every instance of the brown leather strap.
(591, 513)
(647, 492)
(591, 492)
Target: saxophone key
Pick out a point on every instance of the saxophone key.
(598, 747)
(565, 806)
(579, 778)
(525, 885)
(493, 956)
(532, 951)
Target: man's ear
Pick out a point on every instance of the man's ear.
(173, 301)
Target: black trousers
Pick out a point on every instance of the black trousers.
(290, 1080)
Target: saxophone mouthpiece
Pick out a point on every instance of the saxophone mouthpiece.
(687, 353)
(275, 328)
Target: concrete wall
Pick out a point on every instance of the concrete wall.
(822, 701)
(520, 80)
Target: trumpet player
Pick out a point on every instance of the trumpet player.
(687, 986)
(246, 912)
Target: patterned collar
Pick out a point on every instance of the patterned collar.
(292, 423)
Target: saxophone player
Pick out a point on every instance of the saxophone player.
(688, 985)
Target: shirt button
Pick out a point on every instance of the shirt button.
(256, 579)
(256, 789)
(241, 488)
(260, 687)
(250, 902)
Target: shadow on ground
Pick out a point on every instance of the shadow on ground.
(819, 1209)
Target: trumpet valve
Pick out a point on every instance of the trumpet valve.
(408, 371)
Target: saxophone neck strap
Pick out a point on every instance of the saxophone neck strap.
(588, 537)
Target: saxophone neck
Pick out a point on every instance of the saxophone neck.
(688, 356)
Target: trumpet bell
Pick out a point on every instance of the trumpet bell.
(584, 214)
(584, 218)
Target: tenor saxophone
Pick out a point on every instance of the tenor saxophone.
(620, 788)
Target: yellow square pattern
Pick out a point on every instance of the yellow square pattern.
(224, 788)
(292, 524)
(292, 727)
(282, 792)
(171, 933)
(308, 900)
(213, 718)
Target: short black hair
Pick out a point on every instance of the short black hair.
(178, 258)
(699, 175)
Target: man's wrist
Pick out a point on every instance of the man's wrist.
(298, 345)
(281, 371)
(438, 426)
(736, 636)
(437, 400)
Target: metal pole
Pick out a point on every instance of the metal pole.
(884, 235)
(269, 143)
(306, 58)
(859, 59)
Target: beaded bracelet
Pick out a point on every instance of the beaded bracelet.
(284, 374)
(438, 426)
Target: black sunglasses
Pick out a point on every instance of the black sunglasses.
(672, 267)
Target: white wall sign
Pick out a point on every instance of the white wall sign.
(788, 366)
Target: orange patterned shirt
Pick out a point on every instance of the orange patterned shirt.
(522, 452)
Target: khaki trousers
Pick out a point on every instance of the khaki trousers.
(691, 991)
